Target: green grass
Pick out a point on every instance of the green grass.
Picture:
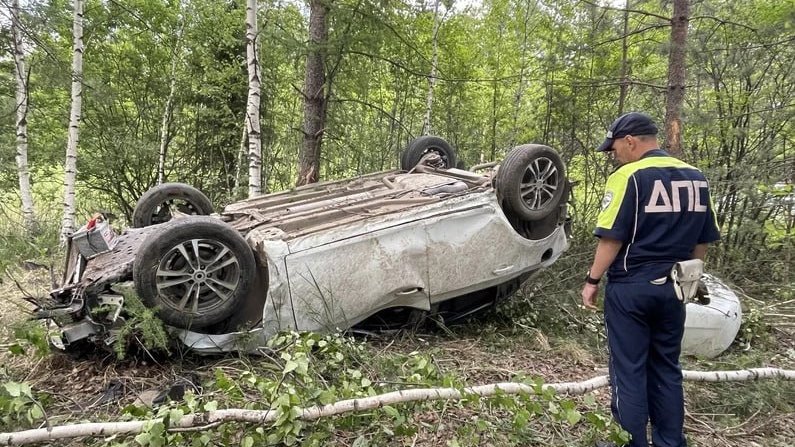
(540, 334)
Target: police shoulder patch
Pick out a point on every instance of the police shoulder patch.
(608, 197)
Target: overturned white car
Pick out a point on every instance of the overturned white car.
(428, 237)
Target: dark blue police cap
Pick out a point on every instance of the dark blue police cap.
(632, 123)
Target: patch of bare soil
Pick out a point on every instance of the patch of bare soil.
(12, 307)
(92, 388)
(496, 358)
(499, 358)
(99, 387)
(488, 359)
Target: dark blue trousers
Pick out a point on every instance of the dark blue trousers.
(645, 323)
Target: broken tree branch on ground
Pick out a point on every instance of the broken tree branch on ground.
(201, 421)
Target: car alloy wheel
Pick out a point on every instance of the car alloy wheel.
(196, 271)
(531, 182)
(198, 275)
(160, 204)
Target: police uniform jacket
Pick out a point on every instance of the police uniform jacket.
(659, 207)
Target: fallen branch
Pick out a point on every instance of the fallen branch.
(780, 315)
(200, 421)
(739, 376)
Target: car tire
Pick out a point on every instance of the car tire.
(195, 271)
(531, 181)
(155, 205)
(423, 145)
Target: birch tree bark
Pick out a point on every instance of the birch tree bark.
(242, 152)
(208, 419)
(20, 74)
(314, 95)
(70, 167)
(164, 124)
(676, 77)
(252, 111)
(426, 122)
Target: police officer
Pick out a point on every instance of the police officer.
(656, 211)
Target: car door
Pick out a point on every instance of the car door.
(338, 284)
(474, 248)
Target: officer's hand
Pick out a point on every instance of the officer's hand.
(590, 294)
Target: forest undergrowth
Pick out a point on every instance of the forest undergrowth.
(164, 94)
(541, 335)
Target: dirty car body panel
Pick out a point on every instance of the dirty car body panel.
(433, 253)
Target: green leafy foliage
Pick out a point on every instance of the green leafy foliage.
(307, 369)
(508, 72)
(39, 246)
(30, 337)
(754, 330)
(19, 406)
(141, 327)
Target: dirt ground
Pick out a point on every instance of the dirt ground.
(561, 361)
(96, 387)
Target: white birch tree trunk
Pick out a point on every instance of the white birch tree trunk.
(242, 151)
(164, 134)
(209, 419)
(70, 167)
(252, 111)
(20, 73)
(426, 122)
